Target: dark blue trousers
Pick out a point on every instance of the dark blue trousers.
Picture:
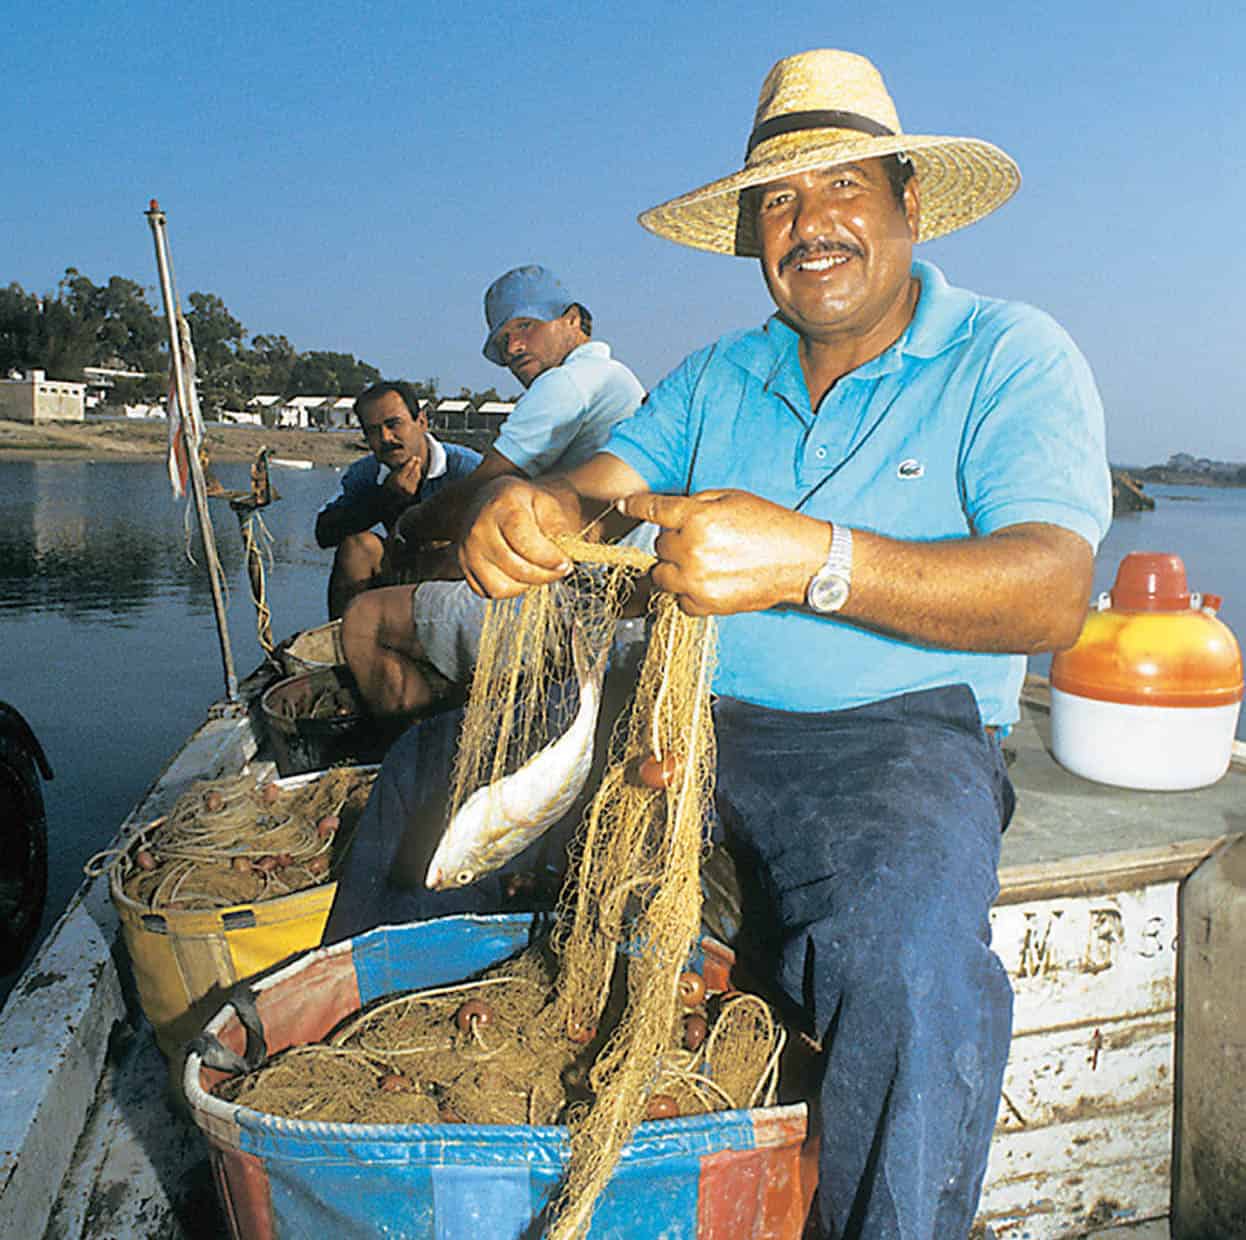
(867, 842)
(382, 881)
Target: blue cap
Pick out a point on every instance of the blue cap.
(526, 292)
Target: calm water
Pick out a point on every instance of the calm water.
(109, 639)
(110, 644)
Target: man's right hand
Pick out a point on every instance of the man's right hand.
(404, 482)
(510, 546)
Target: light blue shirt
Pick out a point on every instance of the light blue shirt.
(565, 417)
(983, 414)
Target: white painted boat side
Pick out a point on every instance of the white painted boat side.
(1085, 1125)
(56, 1027)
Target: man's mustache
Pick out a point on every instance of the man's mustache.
(816, 249)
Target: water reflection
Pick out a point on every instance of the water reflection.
(84, 537)
(107, 630)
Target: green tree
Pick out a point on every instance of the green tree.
(128, 330)
(218, 339)
(424, 389)
(19, 329)
(270, 361)
(322, 373)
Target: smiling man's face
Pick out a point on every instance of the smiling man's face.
(837, 250)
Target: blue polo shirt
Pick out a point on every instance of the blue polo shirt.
(983, 414)
(565, 417)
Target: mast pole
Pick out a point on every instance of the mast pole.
(181, 381)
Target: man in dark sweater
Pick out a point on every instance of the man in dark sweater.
(406, 466)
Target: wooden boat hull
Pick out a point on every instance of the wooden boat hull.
(1086, 924)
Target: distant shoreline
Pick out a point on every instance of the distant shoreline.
(131, 439)
(120, 439)
(1161, 476)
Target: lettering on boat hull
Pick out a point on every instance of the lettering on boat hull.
(1084, 1133)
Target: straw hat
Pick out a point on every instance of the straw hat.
(822, 108)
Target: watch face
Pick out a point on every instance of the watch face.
(828, 592)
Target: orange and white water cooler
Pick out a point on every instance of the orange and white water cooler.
(1150, 694)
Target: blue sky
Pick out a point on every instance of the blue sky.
(354, 176)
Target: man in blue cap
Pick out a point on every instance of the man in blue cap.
(576, 392)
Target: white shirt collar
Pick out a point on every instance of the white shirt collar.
(437, 463)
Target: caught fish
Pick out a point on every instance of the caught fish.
(500, 820)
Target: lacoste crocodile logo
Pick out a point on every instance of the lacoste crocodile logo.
(910, 468)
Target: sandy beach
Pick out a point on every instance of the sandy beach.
(98, 439)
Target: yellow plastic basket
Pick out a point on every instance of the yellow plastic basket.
(184, 960)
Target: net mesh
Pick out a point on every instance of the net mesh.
(592, 1030)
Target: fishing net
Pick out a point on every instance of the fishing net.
(231, 841)
(494, 1051)
(604, 1027)
(633, 897)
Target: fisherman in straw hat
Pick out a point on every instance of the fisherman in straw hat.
(925, 515)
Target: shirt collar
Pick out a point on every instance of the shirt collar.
(437, 463)
(436, 457)
(590, 348)
(943, 317)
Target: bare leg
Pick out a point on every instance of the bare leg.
(356, 567)
(381, 648)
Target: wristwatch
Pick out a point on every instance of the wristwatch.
(828, 588)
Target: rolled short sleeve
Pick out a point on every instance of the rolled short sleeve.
(1034, 447)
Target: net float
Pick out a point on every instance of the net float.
(213, 802)
(580, 1033)
(144, 860)
(269, 794)
(696, 1029)
(661, 1106)
(655, 772)
(474, 1014)
(396, 1083)
(328, 826)
(691, 989)
(318, 865)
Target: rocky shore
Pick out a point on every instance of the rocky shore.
(1128, 495)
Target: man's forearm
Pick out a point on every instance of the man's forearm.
(341, 520)
(1023, 589)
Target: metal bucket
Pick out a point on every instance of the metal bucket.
(303, 738)
(732, 1175)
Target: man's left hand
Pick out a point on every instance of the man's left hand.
(729, 551)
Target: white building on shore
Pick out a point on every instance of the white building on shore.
(35, 398)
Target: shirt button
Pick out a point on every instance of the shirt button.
(820, 453)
